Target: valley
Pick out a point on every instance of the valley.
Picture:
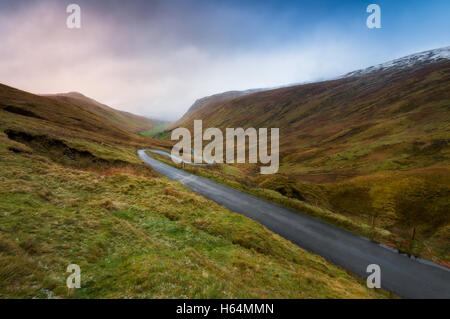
(72, 190)
(367, 153)
(224, 158)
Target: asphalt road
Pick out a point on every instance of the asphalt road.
(178, 159)
(404, 276)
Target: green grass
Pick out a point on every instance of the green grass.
(155, 130)
(135, 234)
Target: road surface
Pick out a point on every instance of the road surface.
(179, 160)
(404, 276)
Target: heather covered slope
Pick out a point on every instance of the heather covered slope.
(352, 125)
(209, 102)
(72, 190)
(24, 112)
(371, 148)
(128, 121)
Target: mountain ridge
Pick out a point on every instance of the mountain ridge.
(428, 56)
(127, 120)
(424, 57)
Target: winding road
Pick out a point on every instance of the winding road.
(404, 276)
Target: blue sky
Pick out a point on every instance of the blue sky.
(155, 58)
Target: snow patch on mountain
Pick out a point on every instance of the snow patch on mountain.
(426, 57)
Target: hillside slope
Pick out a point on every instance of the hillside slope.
(128, 121)
(409, 104)
(209, 102)
(372, 146)
(72, 190)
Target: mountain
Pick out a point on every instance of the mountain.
(70, 129)
(410, 61)
(209, 102)
(381, 109)
(373, 144)
(128, 121)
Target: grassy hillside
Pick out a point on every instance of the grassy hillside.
(209, 102)
(72, 190)
(126, 120)
(371, 149)
(155, 130)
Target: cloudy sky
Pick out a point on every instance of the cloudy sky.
(155, 58)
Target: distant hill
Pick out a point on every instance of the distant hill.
(129, 121)
(381, 117)
(209, 102)
(73, 118)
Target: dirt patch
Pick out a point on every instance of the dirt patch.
(18, 150)
(58, 151)
(21, 111)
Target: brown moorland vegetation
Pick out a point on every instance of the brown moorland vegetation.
(126, 120)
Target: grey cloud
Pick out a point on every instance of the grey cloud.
(155, 59)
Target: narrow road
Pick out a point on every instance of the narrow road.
(404, 276)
